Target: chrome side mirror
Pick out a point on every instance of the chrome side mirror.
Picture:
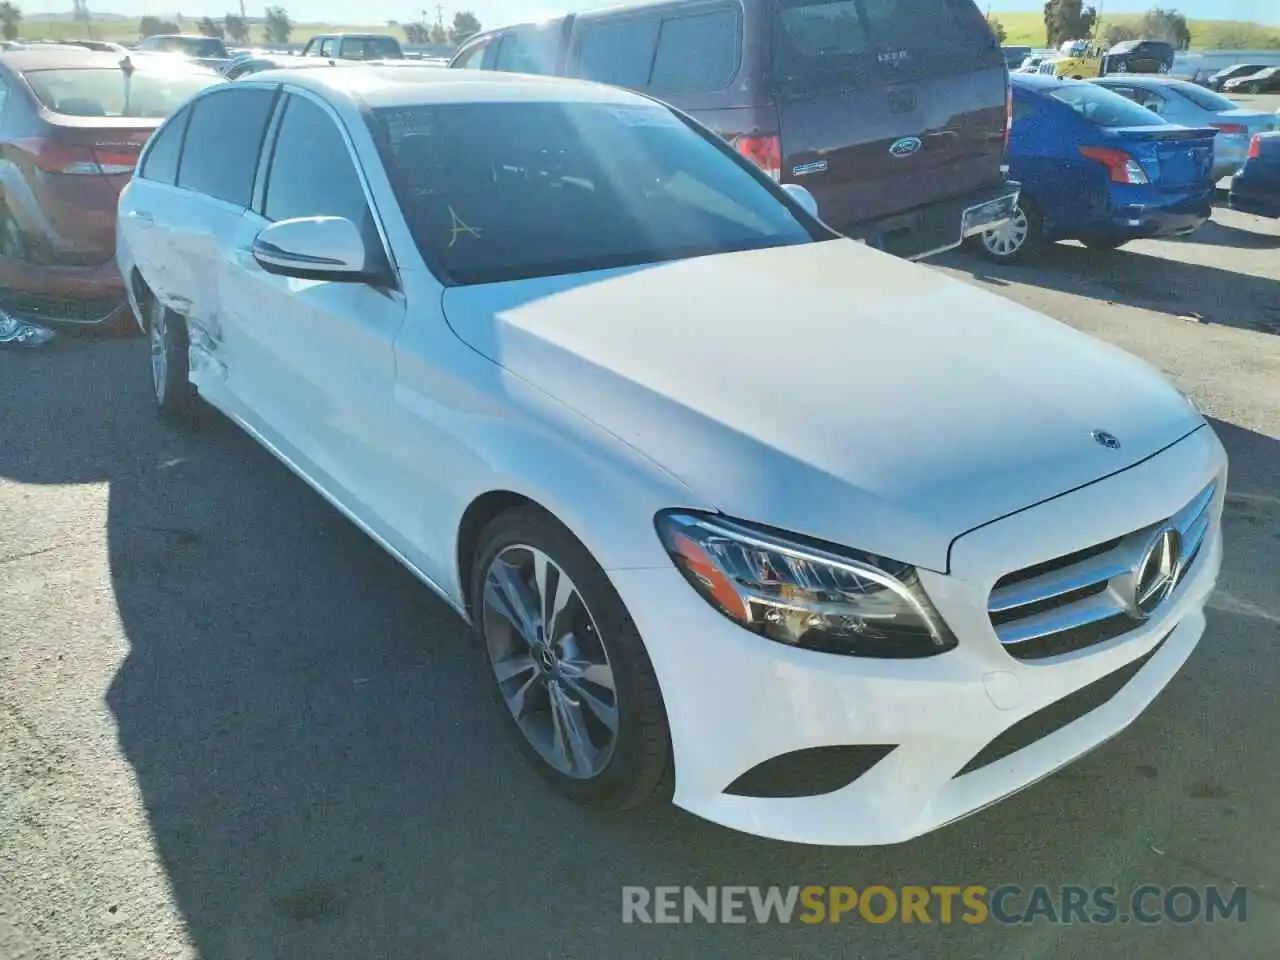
(313, 248)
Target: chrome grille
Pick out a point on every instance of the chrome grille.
(1087, 597)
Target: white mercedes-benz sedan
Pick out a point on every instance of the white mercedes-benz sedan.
(822, 544)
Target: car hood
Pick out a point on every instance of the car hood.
(830, 389)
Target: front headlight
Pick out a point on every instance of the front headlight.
(804, 593)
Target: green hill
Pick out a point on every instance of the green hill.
(1023, 29)
(1027, 29)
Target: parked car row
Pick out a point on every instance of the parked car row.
(1097, 167)
(514, 328)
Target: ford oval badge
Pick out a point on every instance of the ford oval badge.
(906, 146)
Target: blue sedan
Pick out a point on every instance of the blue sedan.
(1100, 169)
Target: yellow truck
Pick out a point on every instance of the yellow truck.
(1077, 59)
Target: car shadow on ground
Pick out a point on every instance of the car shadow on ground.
(1218, 234)
(1197, 292)
(326, 776)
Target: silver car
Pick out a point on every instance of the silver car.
(1193, 106)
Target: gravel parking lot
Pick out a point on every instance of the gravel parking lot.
(231, 727)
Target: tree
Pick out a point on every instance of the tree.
(276, 25)
(1169, 25)
(235, 29)
(211, 28)
(465, 25)
(438, 34)
(150, 26)
(1118, 33)
(1068, 20)
(997, 28)
(416, 33)
(10, 17)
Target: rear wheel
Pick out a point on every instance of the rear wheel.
(170, 381)
(569, 666)
(1012, 241)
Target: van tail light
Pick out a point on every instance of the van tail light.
(54, 156)
(1231, 129)
(765, 152)
(1255, 147)
(1121, 167)
(1008, 116)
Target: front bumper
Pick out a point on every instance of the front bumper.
(735, 700)
(936, 227)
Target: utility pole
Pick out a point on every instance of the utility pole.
(440, 16)
(242, 13)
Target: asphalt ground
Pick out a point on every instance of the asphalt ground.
(231, 727)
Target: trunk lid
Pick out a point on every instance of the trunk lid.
(878, 116)
(1173, 157)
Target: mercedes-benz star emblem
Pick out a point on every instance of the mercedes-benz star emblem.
(1108, 440)
(1157, 572)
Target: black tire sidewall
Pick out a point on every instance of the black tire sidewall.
(638, 769)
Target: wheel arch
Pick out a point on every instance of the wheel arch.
(479, 513)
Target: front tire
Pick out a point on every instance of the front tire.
(568, 663)
(170, 374)
(1013, 241)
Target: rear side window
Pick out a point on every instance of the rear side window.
(224, 138)
(161, 164)
(297, 186)
(1205, 99)
(530, 50)
(471, 59)
(109, 92)
(1103, 108)
(829, 44)
(697, 52)
(619, 52)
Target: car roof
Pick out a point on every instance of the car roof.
(1036, 81)
(73, 57)
(1141, 80)
(398, 86)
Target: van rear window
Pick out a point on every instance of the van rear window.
(828, 44)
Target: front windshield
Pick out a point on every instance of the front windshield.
(1104, 108)
(504, 191)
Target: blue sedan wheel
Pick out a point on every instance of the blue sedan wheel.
(1011, 241)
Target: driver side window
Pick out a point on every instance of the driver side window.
(297, 186)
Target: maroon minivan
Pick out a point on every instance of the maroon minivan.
(893, 113)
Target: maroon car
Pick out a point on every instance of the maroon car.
(72, 122)
(893, 113)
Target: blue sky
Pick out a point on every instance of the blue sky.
(497, 12)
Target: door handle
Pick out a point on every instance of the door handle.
(142, 217)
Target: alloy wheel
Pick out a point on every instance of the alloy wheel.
(1007, 239)
(549, 661)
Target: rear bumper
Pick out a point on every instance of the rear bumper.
(942, 225)
(1255, 201)
(64, 296)
(1150, 215)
